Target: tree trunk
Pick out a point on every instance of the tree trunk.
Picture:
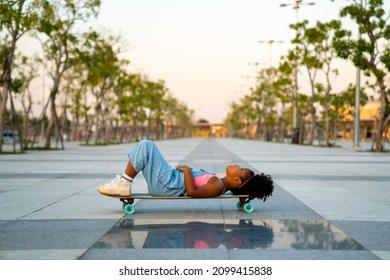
(3, 106)
(5, 79)
(97, 128)
(327, 121)
(26, 110)
(383, 114)
(50, 127)
(15, 121)
(313, 122)
(53, 121)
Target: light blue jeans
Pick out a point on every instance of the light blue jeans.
(162, 179)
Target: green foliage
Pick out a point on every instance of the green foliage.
(370, 52)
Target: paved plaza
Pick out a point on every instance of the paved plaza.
(328, 203)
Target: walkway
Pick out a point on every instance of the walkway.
(328, 204)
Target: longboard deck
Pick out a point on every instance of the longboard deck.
(148, 196)
(129, 208)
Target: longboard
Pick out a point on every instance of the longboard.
(129, 208)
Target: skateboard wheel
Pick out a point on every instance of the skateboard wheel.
(249, 208)
(239, 205)
(129, 209)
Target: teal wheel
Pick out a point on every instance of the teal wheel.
(248, 208)
(129, 209)
(239, 205)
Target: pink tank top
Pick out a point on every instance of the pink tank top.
(203, 179)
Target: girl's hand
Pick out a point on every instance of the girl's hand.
(183, 168)
(213, 188)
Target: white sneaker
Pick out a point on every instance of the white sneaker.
(120, 186)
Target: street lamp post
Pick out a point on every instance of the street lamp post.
(256, 64)
(356, 138)
(270, 43)
(295, 137)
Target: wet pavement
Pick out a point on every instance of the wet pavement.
(327, 204)
(226, 235)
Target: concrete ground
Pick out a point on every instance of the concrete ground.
(329, 203)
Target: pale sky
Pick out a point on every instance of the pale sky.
(203, 49)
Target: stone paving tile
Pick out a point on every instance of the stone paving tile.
(49, 207)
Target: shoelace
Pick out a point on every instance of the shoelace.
(115, 181)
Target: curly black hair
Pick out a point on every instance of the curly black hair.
(259, 186)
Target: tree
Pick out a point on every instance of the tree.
(57, 22)
(154, 93)
(316, 53)
(342, 104)
(26, 72)
(178, 118)
(370, 52)
(136, 112)
(16, 18)
(235, 119)
(306, 40)
(102, 67)
(122, 91)
(75, 82)
(324, 34)
(264, 103)
(283, 88)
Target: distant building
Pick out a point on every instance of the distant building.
(205, 130)
(368, 123)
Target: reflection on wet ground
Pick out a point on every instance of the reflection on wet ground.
(228, 234)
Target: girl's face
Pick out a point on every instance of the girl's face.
(237, 171)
